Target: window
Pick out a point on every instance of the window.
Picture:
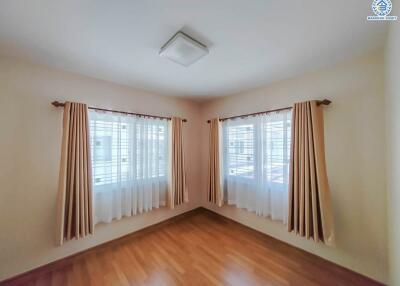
(129, 164)
(276, 155)
(240, 150)
(256, 163)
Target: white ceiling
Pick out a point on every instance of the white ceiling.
(251, 42)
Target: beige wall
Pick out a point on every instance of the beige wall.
(30, 136)
(393, 146)
(355, 152)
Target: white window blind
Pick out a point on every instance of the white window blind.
(240, 150)
(129, 164)
(256, 163)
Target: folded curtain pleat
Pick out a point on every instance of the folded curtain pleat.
(177, 192)
(215, 190)
(309, 212)
(74, 205)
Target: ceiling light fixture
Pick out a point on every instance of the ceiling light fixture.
(183, 49)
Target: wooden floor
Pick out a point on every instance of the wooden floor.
(201, 248)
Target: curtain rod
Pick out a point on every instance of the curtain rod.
(319, 102)
(61, 104)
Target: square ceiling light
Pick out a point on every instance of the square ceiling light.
(183, 49)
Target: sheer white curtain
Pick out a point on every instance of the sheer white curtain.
(129, 164)
(256, 163)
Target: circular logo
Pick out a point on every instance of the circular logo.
(382, 7)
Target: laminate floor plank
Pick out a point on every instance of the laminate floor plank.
(202, 248)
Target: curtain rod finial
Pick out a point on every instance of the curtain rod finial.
(324, 102)
(57, 104)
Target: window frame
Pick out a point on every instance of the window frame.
(133, 133)
(258, 161)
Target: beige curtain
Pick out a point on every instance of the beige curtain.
(177, 192)
(215, 190)
(74, 206)
(309, 196)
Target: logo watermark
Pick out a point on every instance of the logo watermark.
(382, 9)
